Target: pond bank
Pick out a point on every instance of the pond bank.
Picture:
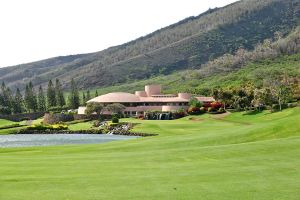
(91, 131)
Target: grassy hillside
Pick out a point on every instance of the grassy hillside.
(192, 81)
(235, 157)
(184, 45)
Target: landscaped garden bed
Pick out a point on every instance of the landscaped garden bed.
(115, 129)
(92, 131)
(49, 131)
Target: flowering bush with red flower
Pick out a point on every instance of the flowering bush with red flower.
(194, 111)
(178, 114)
(141, 117)
(216, 105)
(206, 105)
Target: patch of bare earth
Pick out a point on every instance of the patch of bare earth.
(195, 119)
(222, 116)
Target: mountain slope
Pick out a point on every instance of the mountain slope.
(271, 60)
(184, 45)
(188, 81)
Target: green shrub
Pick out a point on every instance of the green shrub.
(48, 127)
(24, 119)
(194, 110)
(57, 109)
(59, 127)
(277, 107)
(210, 109)
(221, 110)
(195, 103)
(115, 119)
(5, 110)
(202, 110)
(37, 127)
(292, 105)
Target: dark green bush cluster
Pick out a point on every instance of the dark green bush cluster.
(194, 110)
(292, 105)
(284, 106)
(179, 114)
(57, 109)
(5, 110)
(115, 119)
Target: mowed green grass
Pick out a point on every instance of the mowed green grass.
(237, 157)
(4, 122)
(81, 126)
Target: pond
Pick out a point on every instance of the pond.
(27, 140)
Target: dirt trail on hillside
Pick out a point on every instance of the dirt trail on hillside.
(195, 119)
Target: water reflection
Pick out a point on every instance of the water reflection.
(27, 140)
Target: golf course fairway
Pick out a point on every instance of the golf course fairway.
(233, 157)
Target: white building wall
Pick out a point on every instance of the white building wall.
(81, 110)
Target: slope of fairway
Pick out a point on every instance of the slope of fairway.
(207, 157)
(4, 122)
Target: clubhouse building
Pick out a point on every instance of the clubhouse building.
(150, 99)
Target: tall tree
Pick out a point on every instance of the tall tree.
(6, 99)
(27, 98)
(60, 99)
(93, 107)
(30, 98)
(41, 100)
(226, 98)
(115, 108)
(83, 98)
(2, 101)
(18, 102)
(51, 97)
(88, 95)
(10, 99)
(74, 100)
(258, 100)
(281, 93)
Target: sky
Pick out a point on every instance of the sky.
(32, 30)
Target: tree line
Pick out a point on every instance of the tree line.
(53, 99)
(273, 95)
